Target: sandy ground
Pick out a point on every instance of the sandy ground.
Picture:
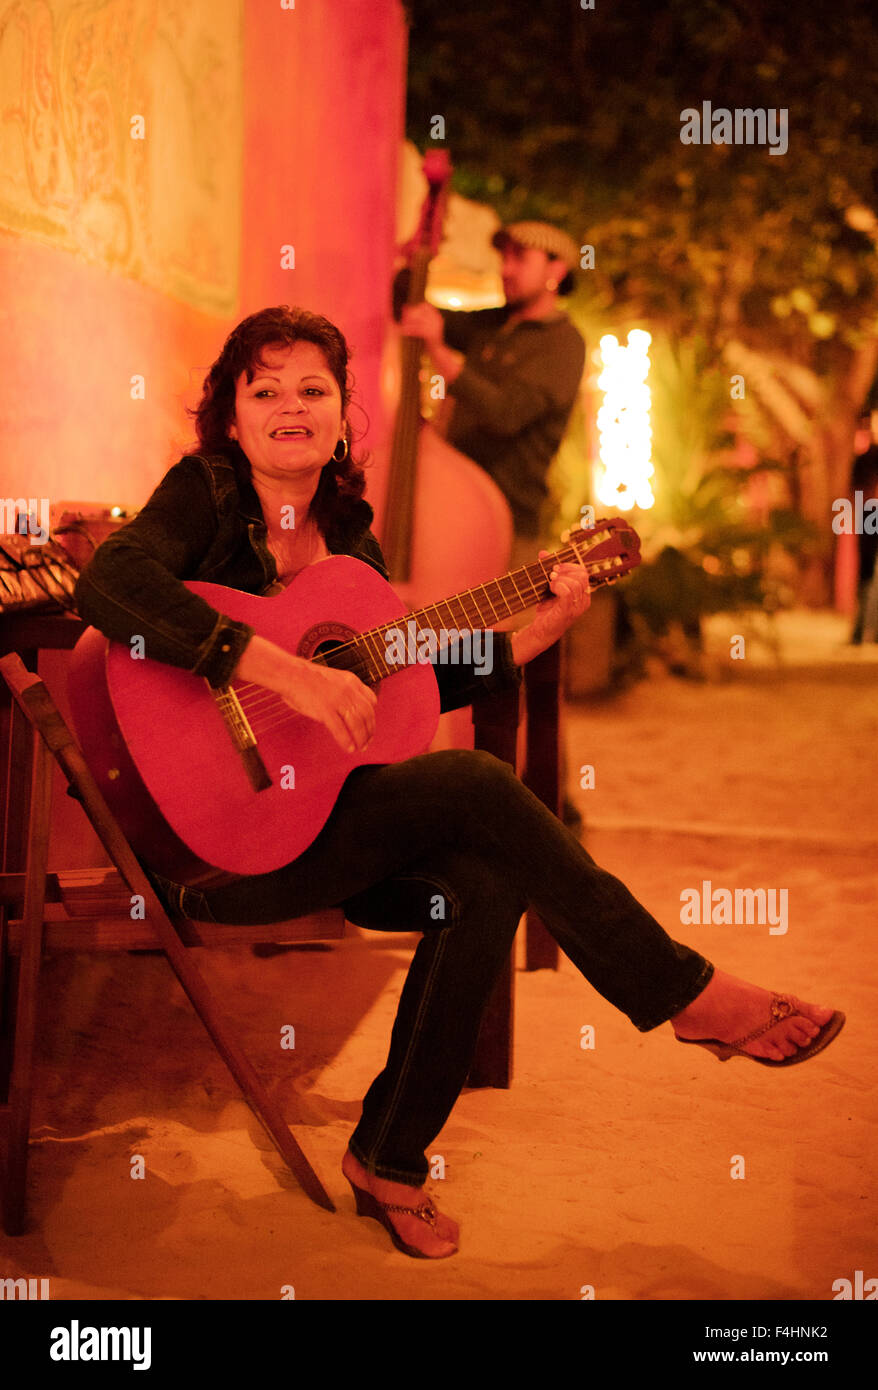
(608, 1167)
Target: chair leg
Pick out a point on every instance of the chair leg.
(492, 1062)
(55, 738)
(496, 720)
(542, 681)
(26, 1001)
(261, 1103)
(11, 977)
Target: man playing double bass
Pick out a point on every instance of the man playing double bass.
(512, 373)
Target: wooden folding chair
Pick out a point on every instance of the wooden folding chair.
(90, 910)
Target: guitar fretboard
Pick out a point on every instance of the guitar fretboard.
(381, 651)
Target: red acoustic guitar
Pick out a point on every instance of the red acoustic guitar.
(234, 779)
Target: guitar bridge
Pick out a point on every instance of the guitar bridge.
(242, 736)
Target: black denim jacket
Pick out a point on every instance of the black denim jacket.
(204, 521)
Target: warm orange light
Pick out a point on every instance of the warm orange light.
(623, 423)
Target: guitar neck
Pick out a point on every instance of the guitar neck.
(471, 610)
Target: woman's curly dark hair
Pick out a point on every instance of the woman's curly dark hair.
(338, 506)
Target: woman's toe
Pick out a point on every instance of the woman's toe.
(818, 1014)
(431, 1240)
(447, 1228)
(803, 1031)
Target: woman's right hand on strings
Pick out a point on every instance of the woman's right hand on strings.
(337, 699)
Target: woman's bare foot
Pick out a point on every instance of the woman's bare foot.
(729, 1009)
(434, 1241)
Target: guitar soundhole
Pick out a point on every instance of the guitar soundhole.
(323, 638)
(325, 649)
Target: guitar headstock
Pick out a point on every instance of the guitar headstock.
(608, 549)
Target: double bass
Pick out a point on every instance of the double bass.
(446, 525)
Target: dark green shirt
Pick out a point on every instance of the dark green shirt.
(513, 399)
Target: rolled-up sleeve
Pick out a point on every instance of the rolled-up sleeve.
(133, 588)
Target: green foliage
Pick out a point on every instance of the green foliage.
(710, 555)
(690, 410)
(703, 552)
(574, 115)
(673, 588)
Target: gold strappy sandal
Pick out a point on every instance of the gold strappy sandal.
(781, 1008)
(368, 1205)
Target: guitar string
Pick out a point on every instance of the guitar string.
(381, 669)
(283, 713)
(373, 635)
(274, 711)
(280, 713)
(559, 555)
(459, 598)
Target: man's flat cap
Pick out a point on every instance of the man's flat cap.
(540, 236)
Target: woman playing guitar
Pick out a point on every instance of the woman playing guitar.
(450, 843)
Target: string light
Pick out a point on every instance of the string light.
(623, 423)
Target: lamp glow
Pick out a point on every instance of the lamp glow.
(623, 423)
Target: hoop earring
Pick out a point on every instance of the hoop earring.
(335, 457)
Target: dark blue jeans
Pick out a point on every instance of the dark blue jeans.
(453, 845)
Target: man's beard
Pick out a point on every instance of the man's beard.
(522, 301)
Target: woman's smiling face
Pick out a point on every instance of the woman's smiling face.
(288, 419)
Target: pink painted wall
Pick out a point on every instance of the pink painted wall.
(71, 337)
(324, 95)
(323, 117)
(324, 136)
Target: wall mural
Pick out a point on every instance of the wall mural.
(121, 134)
